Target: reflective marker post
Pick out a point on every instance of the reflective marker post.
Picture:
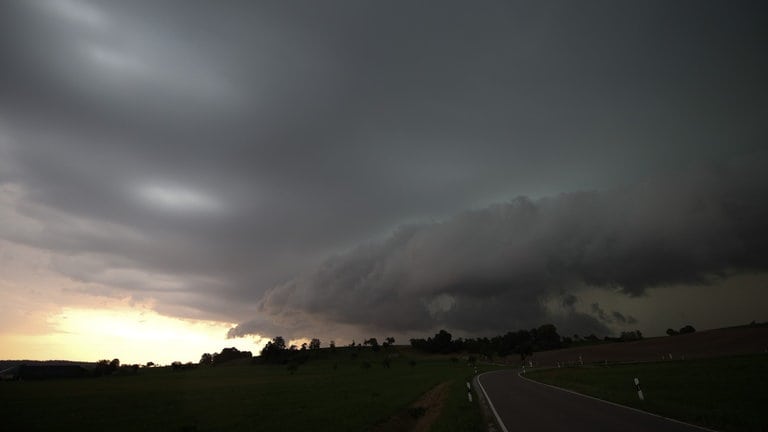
(639, 390)
(469, 392)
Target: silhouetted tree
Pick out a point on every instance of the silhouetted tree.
(279, 342)
(314, 344)
(229, 354)
(546, 337)
(525, 349)
(388, 341)
(105, 367)
(274, 350)
(206, 359)
(373, 343)
(442, 342)
(671, 332)
(687, 329)
(419, 344)
(631, 335)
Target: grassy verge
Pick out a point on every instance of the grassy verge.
(729, 394)
(459, 415)
(339, 391)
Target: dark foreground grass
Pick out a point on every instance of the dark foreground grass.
(335, 393)
(729, 394)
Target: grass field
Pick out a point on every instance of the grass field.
(729, 394)
(335, 393)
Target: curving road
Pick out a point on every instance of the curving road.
(521, 404)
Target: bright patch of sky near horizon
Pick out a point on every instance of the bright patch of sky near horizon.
(133, 335)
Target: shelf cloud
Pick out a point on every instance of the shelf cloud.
(492, 269)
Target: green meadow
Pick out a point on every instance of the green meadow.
(728, 393)
(340, 391)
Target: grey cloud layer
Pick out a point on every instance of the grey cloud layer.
(493, 269)
(205, 153)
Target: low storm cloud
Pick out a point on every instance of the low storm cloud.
(493, 269)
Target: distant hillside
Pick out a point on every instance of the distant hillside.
(6, 364)
(709, 343)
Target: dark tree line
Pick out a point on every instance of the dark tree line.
(522, 342)
(106, 367)
(631, 335)
(227, 354)
(684, 330)
(113, 367)
(275, 351)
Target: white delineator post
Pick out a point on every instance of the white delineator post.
(639, 390)
(469, 392)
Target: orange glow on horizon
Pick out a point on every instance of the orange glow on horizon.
(129, 334)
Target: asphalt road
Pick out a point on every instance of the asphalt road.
(527, 406)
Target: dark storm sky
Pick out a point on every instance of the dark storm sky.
(345, 166)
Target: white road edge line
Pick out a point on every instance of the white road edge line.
(493, 408)
(611, 403)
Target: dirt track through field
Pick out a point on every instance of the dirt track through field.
(420, 416)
